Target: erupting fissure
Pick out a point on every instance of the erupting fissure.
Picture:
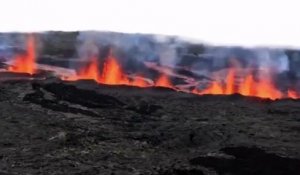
(90, 71)
(263, 88)
(112, 74)
(163, 81)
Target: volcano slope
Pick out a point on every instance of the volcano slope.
(55, 127)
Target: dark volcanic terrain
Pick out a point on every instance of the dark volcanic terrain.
(54, 127)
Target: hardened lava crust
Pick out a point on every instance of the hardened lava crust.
(49, 126)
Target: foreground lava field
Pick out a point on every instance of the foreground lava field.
(80, 127)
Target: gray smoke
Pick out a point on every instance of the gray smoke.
(136, 47)
(133, 50)
(275, 59)
(262, 58)
(10, 44)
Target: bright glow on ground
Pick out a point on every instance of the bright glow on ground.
(237, 22)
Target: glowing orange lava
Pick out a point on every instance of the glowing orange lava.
(261, 88)
(292, 94)
(25, 63)
(112, 73)
(266, 89)
(163, 81)
(90, 71)
(246, 88)
(138, 81)
(214, 88)
(229, 89)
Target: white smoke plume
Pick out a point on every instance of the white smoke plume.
(136, 46)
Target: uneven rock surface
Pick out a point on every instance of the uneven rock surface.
(55, 127)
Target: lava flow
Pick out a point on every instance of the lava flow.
(25, 63)
(139, 81)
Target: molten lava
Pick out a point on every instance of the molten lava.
(90, 71)
(163, 81)
(112, 73)
(214, 88)
(230, 82)
(249, 87)
(293, 94)
(139, 81)
(266, 89)
(25, 63)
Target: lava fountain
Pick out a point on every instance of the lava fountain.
(25, 63)
(163, 81)
(263, 87)
(90, 71)
(112, 73)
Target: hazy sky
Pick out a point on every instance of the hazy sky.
(237, 22)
